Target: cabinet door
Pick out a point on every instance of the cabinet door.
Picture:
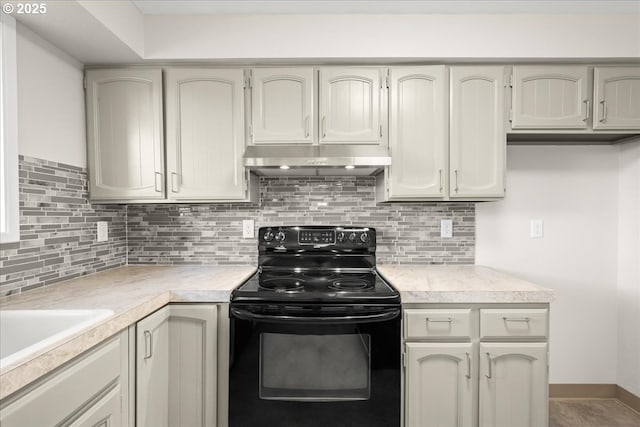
(513, 385)
(418, 134)
(205, 134)
(477, 132)
(616, 98)
(152, 370)
(105, 412)
(192, 365)
(176, 377)
(550, 97)
(282, 105)
(124, 134)
(440, 380)
(350, 105)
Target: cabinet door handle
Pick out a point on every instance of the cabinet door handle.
(489, 374)
(455, 172)
(447, 320)
(468, 366)
(158, 188)
(148, 345)
(516, 319)
(587, 110)
(324, 126)
(306, 127)
(441, 181)
(175, 183)
(604, 111)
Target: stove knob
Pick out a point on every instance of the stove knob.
(341, 236)
(280, 236)
(352, 237)
(364, 237)
(268, 236)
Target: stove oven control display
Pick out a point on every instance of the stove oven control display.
(317, 237)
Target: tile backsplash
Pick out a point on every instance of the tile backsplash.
(212, 233)
(58, 226)
(58, 229)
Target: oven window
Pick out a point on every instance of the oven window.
(315, 367)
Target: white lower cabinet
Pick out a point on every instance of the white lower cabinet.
(176, 370)
(513, 384)
(461, 370)
(92, 390)
(440, 382)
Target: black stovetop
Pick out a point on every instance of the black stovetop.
(316, 264)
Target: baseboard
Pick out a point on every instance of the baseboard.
(597, 391)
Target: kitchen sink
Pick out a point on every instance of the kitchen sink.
(26, 332)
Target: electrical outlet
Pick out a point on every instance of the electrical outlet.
(248, 229)
(536, 229)
(446, 228)
(103, 231)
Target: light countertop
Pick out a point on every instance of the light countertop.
(135, 291)
(460, 284)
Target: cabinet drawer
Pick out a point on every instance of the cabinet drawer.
(513, 323)
(423, 323)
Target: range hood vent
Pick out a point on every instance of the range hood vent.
(341, 159)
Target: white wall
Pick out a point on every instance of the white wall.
(423, 37)
(50, 101)
(629, 269)
(574, 190)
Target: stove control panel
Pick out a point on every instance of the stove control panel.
(318, 237)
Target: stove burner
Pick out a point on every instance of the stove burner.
(282, 284)
(279, 273)
(350, 285)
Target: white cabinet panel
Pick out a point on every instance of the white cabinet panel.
(418, 137)
(440, 380)
(124, 132)
(104, 413)
(282, 105)
(477, 132)
(550, 97)
(176, 367)
(616, 98)
(513, 385)
(205, 134)
(351, 105)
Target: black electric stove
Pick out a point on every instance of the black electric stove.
(315, 333)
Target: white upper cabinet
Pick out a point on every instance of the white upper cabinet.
(550, 97)
(616, 98)
(205, 134)
(477, 132)
(124, 133)
(418, 134)
(351, 105)
(282, 105)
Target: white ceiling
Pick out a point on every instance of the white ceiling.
(211, 7)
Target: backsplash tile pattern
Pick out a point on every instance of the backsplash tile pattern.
(58, 229)
(212, 233)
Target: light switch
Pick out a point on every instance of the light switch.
(103, 231)
(537, 229)
(446, 228)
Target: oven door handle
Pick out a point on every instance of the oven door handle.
(369, 318)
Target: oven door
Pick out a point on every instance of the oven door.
(314, 366)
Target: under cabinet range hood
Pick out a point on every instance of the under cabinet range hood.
(343, 159)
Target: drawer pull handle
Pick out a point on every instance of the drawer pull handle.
(447, 320)
(516, 319)
(489, 373)
(468, 366)
(148, 345)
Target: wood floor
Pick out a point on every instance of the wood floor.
(591, 413)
